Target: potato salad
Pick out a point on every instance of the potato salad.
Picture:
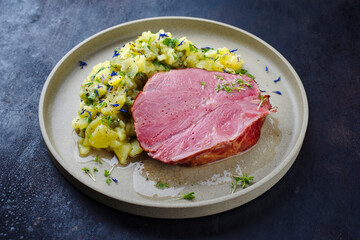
(104, 119)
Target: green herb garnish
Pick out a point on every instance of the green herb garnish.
(203, 83)
(262, 99)
(189, 196)
(108, 181)
(107, 175)
(243, 180)
(106, 119)
(224, 86)
(93, 76)
(219, 77)
(244, 72)
(89, 120)
(103, 104)
(191, 47)
(170, 42)
(158, 63)
(206, 49)
(88, 172)
(97, 160)
(162, 185)
(91, 97)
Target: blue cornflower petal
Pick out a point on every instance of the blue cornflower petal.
(115, 105)
(82, 64)
(116, 53)
(122, 110)
(162, 35)
(180, 43)
(234, 50)
(114, 179)
(266, 69)
(109, 90)
(277, 92)
(275, 81)
(113, 74)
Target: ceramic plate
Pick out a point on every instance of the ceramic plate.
(135, 192)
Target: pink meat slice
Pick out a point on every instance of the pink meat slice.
(179, 120)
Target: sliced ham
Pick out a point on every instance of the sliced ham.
(184, 117)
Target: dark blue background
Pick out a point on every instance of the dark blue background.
(317, 199)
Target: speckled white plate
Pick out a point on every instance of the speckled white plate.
(135, 192)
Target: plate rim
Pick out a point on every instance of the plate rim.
(276, 174)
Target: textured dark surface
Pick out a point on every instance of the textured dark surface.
(319, 198)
